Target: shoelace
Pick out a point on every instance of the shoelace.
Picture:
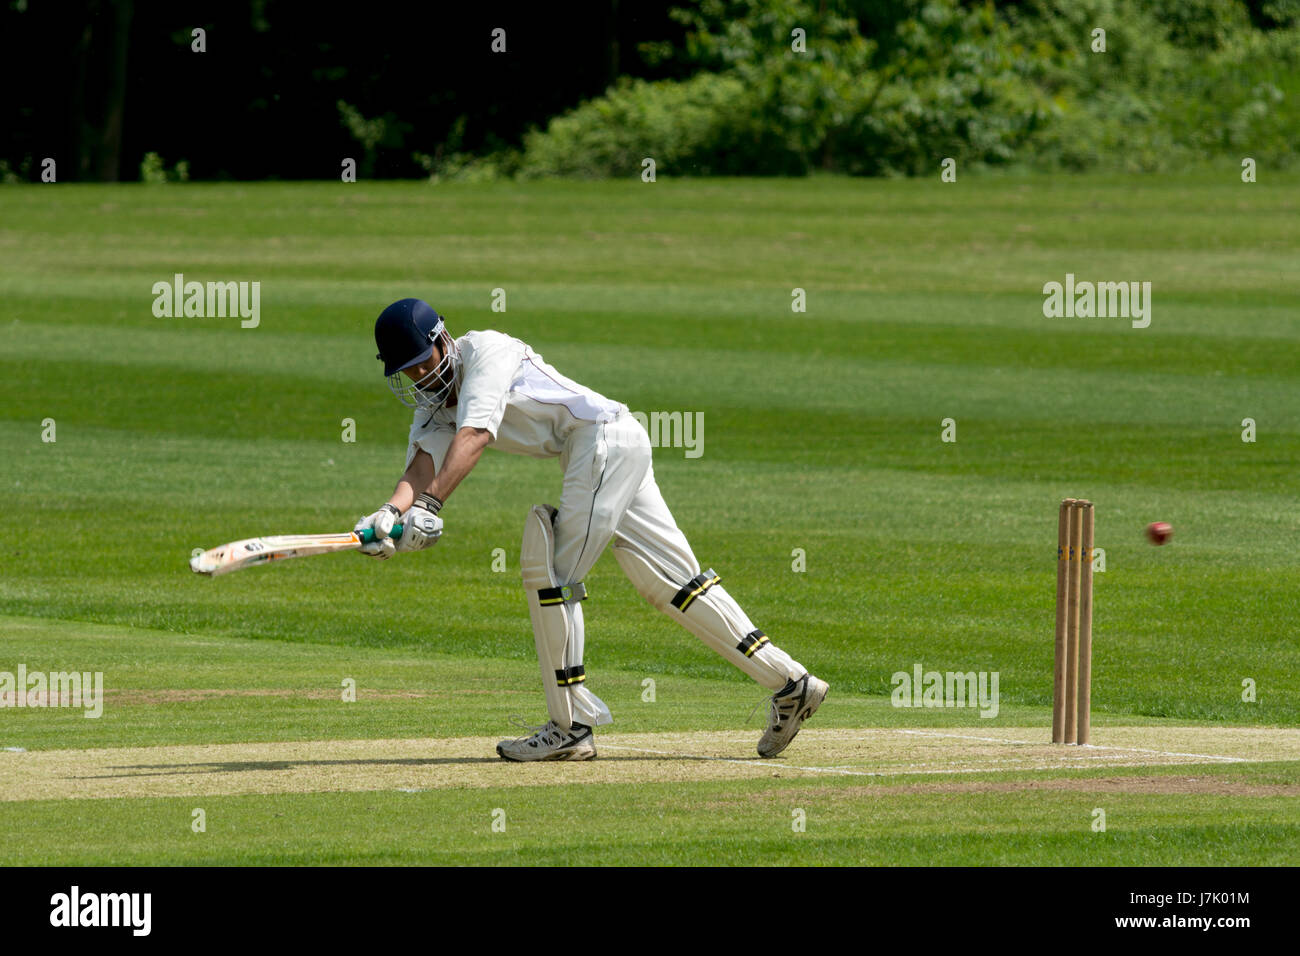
(541, 732)
(779, 711)
(773, 714)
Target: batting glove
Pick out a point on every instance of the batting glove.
(421, 526)
(381, 522)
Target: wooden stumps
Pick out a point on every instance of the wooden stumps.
(1072, 670)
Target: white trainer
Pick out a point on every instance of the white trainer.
(789, 711)
(550, 742)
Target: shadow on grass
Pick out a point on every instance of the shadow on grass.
(248, 766)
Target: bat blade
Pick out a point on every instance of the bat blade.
(254, 551)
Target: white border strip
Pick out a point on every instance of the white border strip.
(1093, 755)
(1039, 743)
(876, 773)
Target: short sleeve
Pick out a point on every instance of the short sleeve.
(491, 363)
(432, 437)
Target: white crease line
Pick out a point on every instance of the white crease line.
(1116, 761)
(755, 763)
(1079, 752)
(1040, 743)
(865, 773)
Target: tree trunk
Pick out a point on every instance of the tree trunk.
(78, 126)
(110, 146)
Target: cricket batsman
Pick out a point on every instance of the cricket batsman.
(487, 388)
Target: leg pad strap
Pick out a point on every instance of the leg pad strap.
(751, 642)
(571, 675)
(565, 594)
(696, 586)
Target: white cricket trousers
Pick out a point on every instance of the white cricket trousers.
(610, 493)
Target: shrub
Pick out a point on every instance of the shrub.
(694, 125)
(1180, 81)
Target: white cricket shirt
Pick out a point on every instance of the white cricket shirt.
(526, 405)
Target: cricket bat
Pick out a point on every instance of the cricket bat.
(253, 551)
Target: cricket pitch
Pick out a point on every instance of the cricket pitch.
(897, 756)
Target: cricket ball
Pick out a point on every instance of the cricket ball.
(1159, 532)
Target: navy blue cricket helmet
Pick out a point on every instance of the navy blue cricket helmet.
(406, 334)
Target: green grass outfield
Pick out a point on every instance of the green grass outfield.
(822, 433)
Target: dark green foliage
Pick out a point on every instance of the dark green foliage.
(896, 87)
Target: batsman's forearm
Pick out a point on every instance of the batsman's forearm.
(464, 453)
(403, 496)
(417, 476)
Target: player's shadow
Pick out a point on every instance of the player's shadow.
(248, 766)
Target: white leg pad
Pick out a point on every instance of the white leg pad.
(557, 627)
(705, 609)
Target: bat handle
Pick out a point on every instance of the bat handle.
(368, 534)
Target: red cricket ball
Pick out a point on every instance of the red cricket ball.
(1160, 531)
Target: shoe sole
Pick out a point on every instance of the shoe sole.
(809, 708)
(558, 755)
